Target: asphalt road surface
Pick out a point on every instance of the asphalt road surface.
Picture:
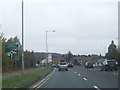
(79, 77)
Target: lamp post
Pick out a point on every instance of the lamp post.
(47, 46)
(116, 40)
(22, 38)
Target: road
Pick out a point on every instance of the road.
(79, 77)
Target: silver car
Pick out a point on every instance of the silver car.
(63, 66)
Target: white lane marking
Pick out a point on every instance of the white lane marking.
(75, 72)
(114, 73)
(78, 74)
(85, 79)
(96, 87)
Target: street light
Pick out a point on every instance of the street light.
(22, 39)
(117, 43)
(47, 46)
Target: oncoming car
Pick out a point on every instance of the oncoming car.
(63, 66)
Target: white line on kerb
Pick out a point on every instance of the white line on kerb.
(85, 79)
(96, 87)
(78, 74)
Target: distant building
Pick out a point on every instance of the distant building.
(49, 59)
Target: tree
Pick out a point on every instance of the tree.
(29, 59)
(119, 58)
(6, 63)
(16, 60)
(112, 52)
(10, 64)
(69, 56)
(75, 62)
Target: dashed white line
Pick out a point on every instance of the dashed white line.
(78, 74)
(75, 72)
(85, 79)
(115, 73)
(96, 87)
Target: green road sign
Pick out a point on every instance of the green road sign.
(12, 49)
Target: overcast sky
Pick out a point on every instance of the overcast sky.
(80, 27)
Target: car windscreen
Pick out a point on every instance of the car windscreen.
(111, 62)
(63, 63)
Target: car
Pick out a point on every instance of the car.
(54, 65)
(109, 65)
(63, 66)
(70, 65)
(62, 60)
(89, 65)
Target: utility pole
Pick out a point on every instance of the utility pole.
(22, 38)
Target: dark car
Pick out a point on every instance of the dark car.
(70, 65)
(54, 65)
(62, 60)
(89, 65)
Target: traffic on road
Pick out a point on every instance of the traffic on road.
(59, 44)
(64, 76)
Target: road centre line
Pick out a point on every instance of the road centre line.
(115, 73)
(85, 79)
(78, 74)
(75, 72)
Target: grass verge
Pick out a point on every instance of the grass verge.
(0, 84)
(25, 80)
